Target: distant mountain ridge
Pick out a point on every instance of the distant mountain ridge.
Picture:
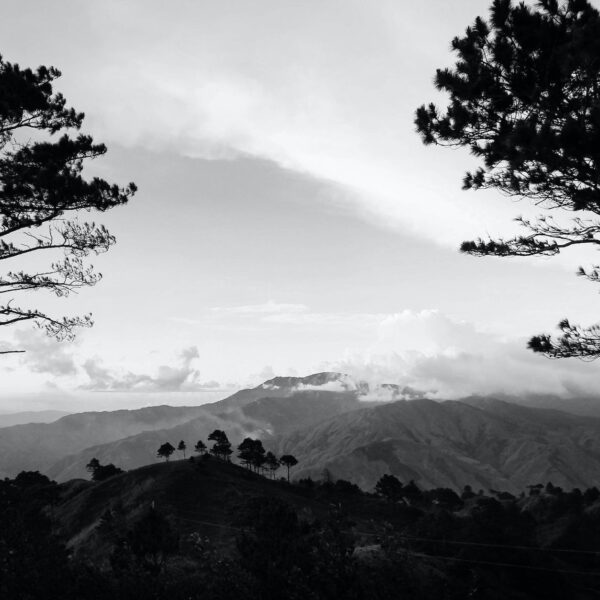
(325, 421)
(31, 416)
(259, 412)
(487, 444)
(36, 446)
(45, 447)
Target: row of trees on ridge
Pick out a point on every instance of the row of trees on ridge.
(251, 453)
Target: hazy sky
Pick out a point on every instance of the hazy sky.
(289, 219)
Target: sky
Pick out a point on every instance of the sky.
(289, 220)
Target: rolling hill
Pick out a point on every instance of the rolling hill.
(200, 496)
(126, 437)
(485, 443)
(37, 446)
(321, 419)
(35, 416)
(262, 418)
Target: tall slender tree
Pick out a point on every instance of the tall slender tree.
(182, 447)
(288, 461)
(271, 463)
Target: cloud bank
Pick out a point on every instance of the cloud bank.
(446, 358)
(180, 378)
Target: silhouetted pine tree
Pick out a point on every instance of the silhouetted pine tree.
(165, 451)
(41, 184)
(525, 99)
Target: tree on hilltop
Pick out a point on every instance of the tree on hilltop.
(101, 472)
(200, 447)
(41, 193)
(222, 446)
(92, 465)
(182, 447)
(271, 463)
(252, 453)
(165, 451)
(525, 99)
(287, 460)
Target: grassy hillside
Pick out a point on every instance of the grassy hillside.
(203, 495)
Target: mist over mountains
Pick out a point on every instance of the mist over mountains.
(328, 421)
(32, 416)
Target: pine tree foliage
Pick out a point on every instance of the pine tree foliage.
(222, 446)
(42, 191)
(252, 453)
(288, 461)
(165, 451)
(271, 462)
(525, 100)
(182, 447)
(200, 447)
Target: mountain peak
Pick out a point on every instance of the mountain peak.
(325, 381)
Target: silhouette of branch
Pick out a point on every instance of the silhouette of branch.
(574, 342)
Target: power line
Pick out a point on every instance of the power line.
(464, 543)
(482, 544)
(488, 563)
(502, 564)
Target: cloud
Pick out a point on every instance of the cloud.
(306, 96)
(423, 351)
(44, 354)
(266, 374)
(181, 378)
(447, 358)
(339, 385)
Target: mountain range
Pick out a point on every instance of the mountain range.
(33, 416)
(326, 423)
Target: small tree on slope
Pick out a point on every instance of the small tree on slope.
(182, 447)
(165, 451)
(287, 460)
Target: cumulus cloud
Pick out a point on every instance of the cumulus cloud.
(267, 373)
(44, 354)
(180, 378)
(428, 351)
(419, 352)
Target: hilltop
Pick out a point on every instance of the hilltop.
(200, 495)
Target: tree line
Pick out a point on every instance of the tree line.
(251, 453)
(409, 543)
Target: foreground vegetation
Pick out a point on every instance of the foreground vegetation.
(312, 539)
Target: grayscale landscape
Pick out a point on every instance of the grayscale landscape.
(298, 300)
